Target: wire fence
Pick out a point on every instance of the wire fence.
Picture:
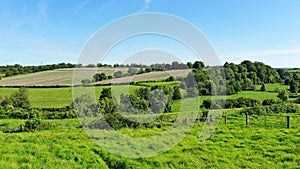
(266, 121)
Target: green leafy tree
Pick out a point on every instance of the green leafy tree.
(99, 77)
(293, 87)
(86, 82)
(158, 101)
(283, 95)
(20, 99)
(263, 87)
(143, 93)
(248, 84)
(105, 93)
(198, 65)
(132, 71)
(32, 123)
(107, 105)
(177, 93)
(118, 74)
(85, 106)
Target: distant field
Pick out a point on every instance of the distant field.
(159, 83)
(60, 97)
(273, 87)
(64, 77)
(294, 71)
(148, 76)
(59, 77)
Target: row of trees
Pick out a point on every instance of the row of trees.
(157, 99)
(232, 78)
(12, 70)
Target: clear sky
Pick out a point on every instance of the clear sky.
(52, 31)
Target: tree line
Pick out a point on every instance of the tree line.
(13, 70)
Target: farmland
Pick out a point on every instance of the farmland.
(61, 97)
(64, 77)
(68, 145)
(51, 137)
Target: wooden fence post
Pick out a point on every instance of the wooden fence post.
(225, 119)
(288, 122)
(247, 119)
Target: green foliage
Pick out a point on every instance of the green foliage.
(177, 93)
(247, 84)
(107, 105)
(32, 123)
(192, 92)
(118, 74)
(85, 106)
(230, 103)
(99, 77)
(133, 104)
(19, 99)
(143, 93)
(86, 82)
(273, 109)
(283, 95)
(158, 101)
(170, 79)
(297, 100)
(198, 65)
(132, 71)
(12, 70)
(263, 87)
(294, 87)
(105, 93)
(268, 102)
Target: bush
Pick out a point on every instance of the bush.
(230, 103)
(274, 109)
(269, 102)
(32, 123)
(297, 101)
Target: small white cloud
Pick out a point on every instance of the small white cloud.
(81, 5)
(146, 5)
(42, 7)
(293, 40)
(147, 1)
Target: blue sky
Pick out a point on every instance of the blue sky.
(52, 31)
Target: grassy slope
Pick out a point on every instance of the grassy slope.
(60, 97)
(233, 146)
(64, 77)
(273, 87)
(56, 77)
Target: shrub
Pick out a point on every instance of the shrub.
(230, 103)
(269, 102)
(32, 123)
(297, 101)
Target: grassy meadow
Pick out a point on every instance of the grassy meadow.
(264, 143)
(68, 145)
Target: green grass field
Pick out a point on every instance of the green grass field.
(294, 71)
(234, 145)
(61, 97)
(273, 87)
(150, 84)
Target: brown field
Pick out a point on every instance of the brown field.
(147, 76)
(65, 77)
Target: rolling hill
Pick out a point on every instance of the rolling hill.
(64, 77)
